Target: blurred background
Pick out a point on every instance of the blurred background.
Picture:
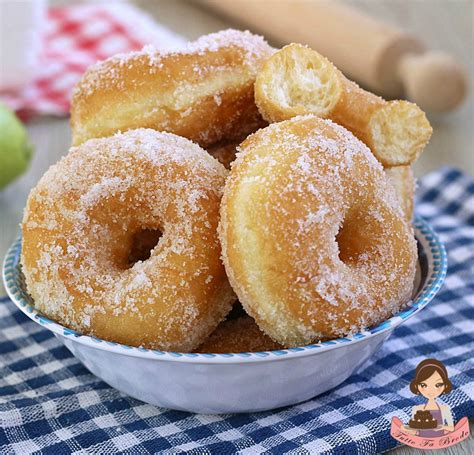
(46, 46)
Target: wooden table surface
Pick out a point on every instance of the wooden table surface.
(443, 24)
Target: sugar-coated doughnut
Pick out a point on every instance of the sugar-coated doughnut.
(100, 209)
(313, 239)
(238, 335)
(203, 92)
(298, 80)
(404, 183)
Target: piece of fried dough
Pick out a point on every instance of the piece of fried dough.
(298, 80)
(238, 335)
(314, 242)
(403, 180)
(204, 92)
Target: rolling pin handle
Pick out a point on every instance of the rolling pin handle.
(433, 80)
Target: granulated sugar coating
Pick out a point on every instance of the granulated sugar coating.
(314, 241)
(79, 226)
(238, 335)
(297, 80)
(204, 92)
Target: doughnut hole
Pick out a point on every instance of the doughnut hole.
(355, 237)
(142, 244)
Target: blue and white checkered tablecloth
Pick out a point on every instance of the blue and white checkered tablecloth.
(51, 404)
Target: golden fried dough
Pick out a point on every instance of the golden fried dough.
(88, 227)
(204, 92)
(313, 238)
(298, 80)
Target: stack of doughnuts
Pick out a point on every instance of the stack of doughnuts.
(225, 171)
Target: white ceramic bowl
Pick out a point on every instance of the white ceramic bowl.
(234, 382)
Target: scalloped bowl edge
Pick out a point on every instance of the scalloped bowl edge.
(436, 272)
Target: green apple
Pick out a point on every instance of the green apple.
(15, 150)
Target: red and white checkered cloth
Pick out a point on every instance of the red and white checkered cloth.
(76, 37)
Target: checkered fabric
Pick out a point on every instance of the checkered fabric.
(76, 37)
(50, 403)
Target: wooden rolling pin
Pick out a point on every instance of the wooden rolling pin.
(380, 57)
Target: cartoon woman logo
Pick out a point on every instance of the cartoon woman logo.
(431, 424)
(432, 419)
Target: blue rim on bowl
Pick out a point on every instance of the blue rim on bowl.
(432, 259)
